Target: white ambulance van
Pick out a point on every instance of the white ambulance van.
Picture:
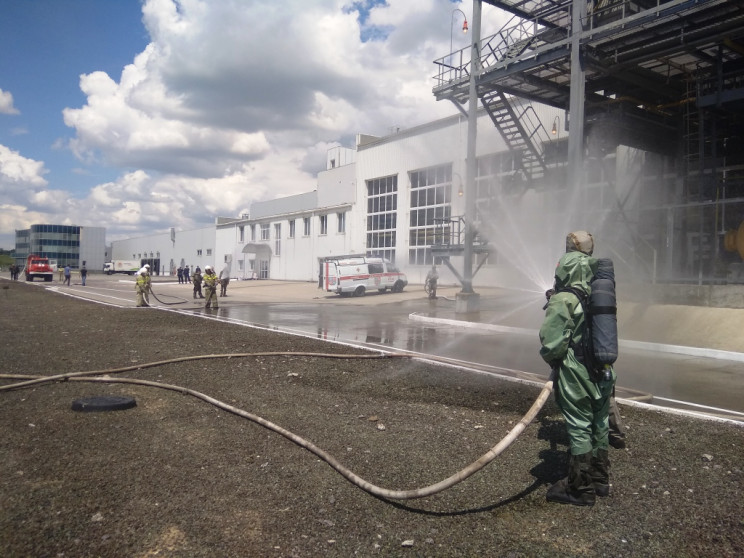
(355, 275)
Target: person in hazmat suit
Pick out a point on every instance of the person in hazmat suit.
(584, 400)
(210, 287)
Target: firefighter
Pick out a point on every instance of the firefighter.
(431, 281)
(210, 286)
(583, 401)
(140, 287)
(145, 272)
(197, 280)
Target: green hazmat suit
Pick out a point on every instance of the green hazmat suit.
(583, 402)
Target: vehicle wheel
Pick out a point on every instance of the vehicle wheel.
(359, 291)
(29, 277)
(48, 279)
(398, 287)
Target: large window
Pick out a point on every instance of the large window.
(323, 224)
(265, 231)
(291, 228)
(306, 226)
(431, 211)
(497, 174)
(341, 222)
(382, 216)
(278, 239)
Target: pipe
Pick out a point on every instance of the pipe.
(353, 478)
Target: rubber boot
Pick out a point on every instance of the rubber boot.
(617, 435)
(577, 489)
(600, 473)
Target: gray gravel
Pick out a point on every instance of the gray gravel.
(175, 476)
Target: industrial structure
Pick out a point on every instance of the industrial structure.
(71, 245)
(664, 78)
(630, 127)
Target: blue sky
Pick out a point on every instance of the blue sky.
(53, 42)
(144, 115)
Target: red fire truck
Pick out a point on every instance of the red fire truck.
(37, 266)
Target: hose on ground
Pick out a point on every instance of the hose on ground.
(182, 301)
(353, 478)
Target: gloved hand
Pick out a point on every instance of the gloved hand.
(548, 294)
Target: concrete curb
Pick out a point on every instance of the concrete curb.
(626, 344)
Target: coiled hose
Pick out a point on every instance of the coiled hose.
(353, 478)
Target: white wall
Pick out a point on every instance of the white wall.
(183, 250)
(442, 142)
(92, 247)
(343, 189)
(337, 186)
(298, 256)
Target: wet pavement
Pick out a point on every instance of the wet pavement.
(658, 365)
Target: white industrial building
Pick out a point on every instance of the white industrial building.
(166, 252)
(390, 196)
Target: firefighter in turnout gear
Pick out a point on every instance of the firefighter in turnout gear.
(583, 398)
(431, 282)
(148, 283)
(210, 286)
(197, 280)
(140, 287)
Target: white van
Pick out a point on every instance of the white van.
(355, 275)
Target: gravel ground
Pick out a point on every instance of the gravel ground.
(175, 476)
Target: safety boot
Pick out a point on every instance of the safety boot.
(600, 473)
(617, 441)
(577, 488)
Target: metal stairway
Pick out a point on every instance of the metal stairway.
(522, 132)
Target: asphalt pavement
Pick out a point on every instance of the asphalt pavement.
(676, 355)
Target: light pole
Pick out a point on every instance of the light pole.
(452, 23)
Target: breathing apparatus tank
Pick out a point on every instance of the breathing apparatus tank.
(602, 308)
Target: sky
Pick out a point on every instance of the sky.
(141, 115)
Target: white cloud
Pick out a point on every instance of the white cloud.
(6, 103)
(18, 173)
(233, 102)
(224, 83)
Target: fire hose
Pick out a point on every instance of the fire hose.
(477, 465)
(181, 301)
